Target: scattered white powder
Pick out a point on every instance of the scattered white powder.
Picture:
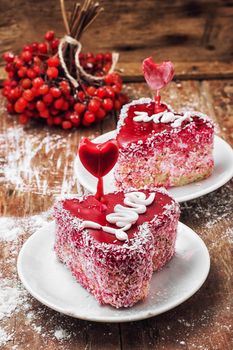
(61, 334)
(8, 229)
(4, 337)
(9, 298)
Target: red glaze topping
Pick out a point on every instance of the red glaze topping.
(91, 209)
(133, 131)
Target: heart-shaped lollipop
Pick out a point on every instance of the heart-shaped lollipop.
(98, 159)
(157, 76)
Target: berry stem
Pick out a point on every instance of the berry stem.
(64, 16)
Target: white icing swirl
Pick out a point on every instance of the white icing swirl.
(162, 117)
(124, 217)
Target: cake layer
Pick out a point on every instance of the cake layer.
(170, 168)
(115, 272)
(169, 149)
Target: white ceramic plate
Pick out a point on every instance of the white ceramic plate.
(52, 284)
(223, 172)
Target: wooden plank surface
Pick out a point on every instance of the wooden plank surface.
(193, 34)
(37, 165)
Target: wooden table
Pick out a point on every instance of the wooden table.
(37, 165)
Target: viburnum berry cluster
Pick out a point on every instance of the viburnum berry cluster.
(37, 87)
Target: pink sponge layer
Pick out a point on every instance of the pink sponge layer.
(117, 274)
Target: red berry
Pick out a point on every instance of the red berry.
(110, 92)
(79, 108)
(91, 90)
(66, 124)
(48, 98)
(26, 83)
(108, 57)
(37, 70)
(27, 48)
(53, 61)
(35, 91)
(8, 57)
(18, 62)
(107, 104)
(56, 92)
(65, 106)
(34, 46)
(117, 105)
(93, 105)
(10, 107)
(54, 111)
(31, 73)
(11, 75)
(28, 95)
(81, 96)
(37, 59)
(88, 118)
(31, 106)
(9, 67)
(15, 93)
(29, 113)
(43, 89)
(52, 72)
(75, 119)
(58, 104)
(49, 121)
(99, 57)
(57, 120)
(44, 113)
(26, 56)
(54, 44)
(49, 36)
(22, 72)
(23, 119)
(42, 48)
(37, 82)
(40, 105)
(101, 92)
(109, 79)
(20, 105)
(65, 87)
(100, 114)
(117, 88)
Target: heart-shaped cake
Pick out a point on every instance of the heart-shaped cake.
(162, 149)
(113, 250)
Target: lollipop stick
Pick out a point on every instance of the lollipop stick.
(100, 190)
(158, 106)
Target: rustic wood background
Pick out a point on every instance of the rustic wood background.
(188, 32)
(37, 164)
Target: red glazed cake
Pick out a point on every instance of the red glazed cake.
(162, 149)
(112, 259)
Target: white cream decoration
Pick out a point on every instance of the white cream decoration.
(124, 217)
(144, 117)
(168, 117)
(162, 117)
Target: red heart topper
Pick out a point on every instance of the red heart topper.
(157, 76)
(98, 158)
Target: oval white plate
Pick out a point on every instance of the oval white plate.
(223, 172)
(52, 284)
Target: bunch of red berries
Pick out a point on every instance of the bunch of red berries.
(37, 87)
